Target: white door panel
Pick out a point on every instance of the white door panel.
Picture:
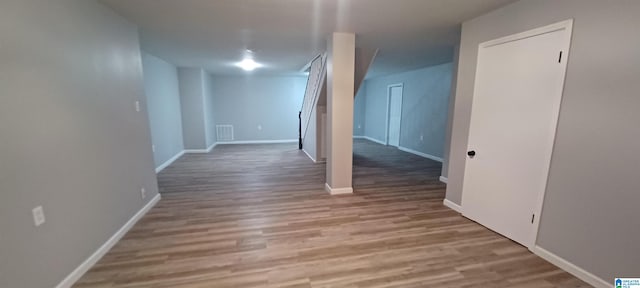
(395, 115)
(514, 114)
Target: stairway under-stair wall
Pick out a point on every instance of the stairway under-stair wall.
(314, 109)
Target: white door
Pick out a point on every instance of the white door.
(516, 102)
(395, 115)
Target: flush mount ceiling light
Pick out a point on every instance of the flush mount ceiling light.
(247, 64)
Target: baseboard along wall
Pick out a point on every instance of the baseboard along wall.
(77, 273)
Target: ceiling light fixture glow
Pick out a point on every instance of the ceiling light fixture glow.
(248, 64)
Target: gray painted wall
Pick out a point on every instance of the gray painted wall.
(359, 108)
(209, 117)
(271, 102)
(163, 107)
(452, 96)
(192, 105)
(424, 107)
(590, 211)
(70, 136)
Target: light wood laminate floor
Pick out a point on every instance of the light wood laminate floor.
(258, 216)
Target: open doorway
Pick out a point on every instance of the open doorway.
(399, 131)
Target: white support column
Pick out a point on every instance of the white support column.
(340, 91)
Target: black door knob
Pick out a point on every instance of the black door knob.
(471, 153)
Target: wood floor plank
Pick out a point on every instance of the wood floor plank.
(258, 216)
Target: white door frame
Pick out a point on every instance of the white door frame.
(386, 126)
(563, 25)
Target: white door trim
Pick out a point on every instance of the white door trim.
(386, 126)
(563, 25)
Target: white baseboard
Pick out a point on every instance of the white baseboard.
(211, 147)
(444, 180)
(196, 151)
(370, 139)
(168, 162)
(240, 142)
(260, 142)
(453, 206)
(311, 157)
(571, 268)
(95, 257)
(358, 137)
(337, 191)
(425, 155)
(375, 140)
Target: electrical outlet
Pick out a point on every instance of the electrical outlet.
(421, 137)
(359, 126)
(143, 193)
(38, 216)
(137, 104)
(153, 148)
(260, 127)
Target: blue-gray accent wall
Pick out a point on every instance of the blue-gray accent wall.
(359, 107)
(269, 102)
(192, 104)
(425, 102)
(163, 107)
(209, 113)
(71, 139)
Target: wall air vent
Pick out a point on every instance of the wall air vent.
(224, 133)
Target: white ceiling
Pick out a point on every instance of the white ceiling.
(286, 34)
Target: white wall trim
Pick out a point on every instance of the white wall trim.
(359, 137)
(386, 125)
(571, 268)
(201, 150)
(260, 142)
(425, 155)
(444, 180)
(567, 25)
(211, 147)
(337, 191)
(453, 206)
(76, 274)
(562, 25)
(309, 155)
(195, 151)
(168, 162)
(371, 139)
(240, 142)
